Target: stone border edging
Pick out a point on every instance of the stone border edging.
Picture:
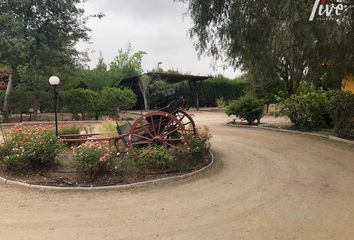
(330, 137)
(113, 187)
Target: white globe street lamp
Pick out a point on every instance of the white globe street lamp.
(55, 81)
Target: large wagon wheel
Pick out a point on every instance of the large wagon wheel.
(187, 122)
(158, 128)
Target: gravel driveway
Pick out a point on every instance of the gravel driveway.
(265, 185)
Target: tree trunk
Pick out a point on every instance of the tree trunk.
(146, 102)
(195, 89)
(144, 89)
(6, 109)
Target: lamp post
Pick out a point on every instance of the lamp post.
(31, 111)
(158, 65)
(54, 81)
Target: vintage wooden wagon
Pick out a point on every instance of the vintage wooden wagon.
(169, 126)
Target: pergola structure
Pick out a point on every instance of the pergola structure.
(193, 81)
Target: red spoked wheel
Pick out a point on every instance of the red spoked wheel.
(157, 128)
(187, 122)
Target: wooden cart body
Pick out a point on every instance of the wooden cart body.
(169, 126)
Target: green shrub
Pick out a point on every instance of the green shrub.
(28, 148)
(83, 101)
(130, 163)
(220, 102)
(199, 145)
(156, 157)
(70, 129)
(247, 108)
(108, 128)
(307, 111)
(342, 113)
(43, 101)
(93, 158)
(114, 100)
(21, 101)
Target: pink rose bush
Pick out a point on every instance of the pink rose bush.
(93, 158)
(199, 145)
(30, 147)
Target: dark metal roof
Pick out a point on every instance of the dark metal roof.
(167, 77)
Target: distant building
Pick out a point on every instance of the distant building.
(348, 84)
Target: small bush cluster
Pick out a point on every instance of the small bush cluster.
(306, 111)
(161, 158)
(156, 158)
(342, 113)
(21, 101)
(93, 158)
(247, 108)
(90, 103)
(318, 109)
(28, 148)
(70, 129)
(221, 103)
(108, 128)
(199, 145)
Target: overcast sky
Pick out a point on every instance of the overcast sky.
(157, 27)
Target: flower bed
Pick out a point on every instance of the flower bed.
(30, 148)
(34, 155)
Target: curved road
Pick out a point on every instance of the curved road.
(265, 185)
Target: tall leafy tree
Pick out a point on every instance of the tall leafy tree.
(80, 101)
(126, 64)
(274, 40)
(40, 34)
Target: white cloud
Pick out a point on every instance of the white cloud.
(154, 26)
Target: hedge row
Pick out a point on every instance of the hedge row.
(110, 101)
(318, 109)
(213, 89)
(87, 103)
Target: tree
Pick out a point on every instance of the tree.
(43, 101)
(97, 78)
(81, 101)
(144, 82)
(101, 66)
(267, 91)
(126, 64)
(39, 34)
(21, 102)
(4, 74)
(274, 40)
(114, 100)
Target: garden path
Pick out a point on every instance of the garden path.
(265, 185)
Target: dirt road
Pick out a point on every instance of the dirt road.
(265, 185)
